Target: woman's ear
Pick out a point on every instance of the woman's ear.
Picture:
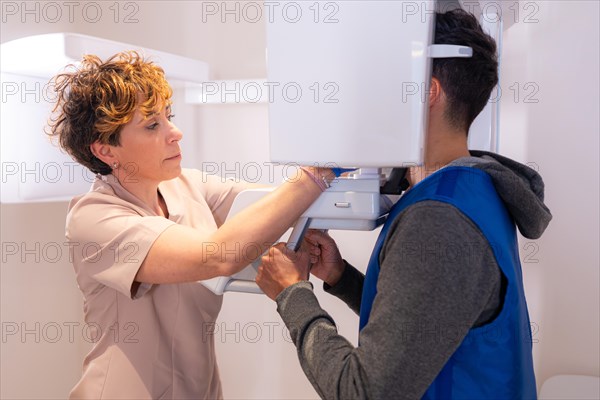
(103, 152)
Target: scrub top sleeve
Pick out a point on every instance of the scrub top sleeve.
(220, 194)
(109, 244)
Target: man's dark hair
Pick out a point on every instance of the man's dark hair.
(467, 82)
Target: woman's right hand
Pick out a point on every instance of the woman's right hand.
(321, 176)
(327, 263)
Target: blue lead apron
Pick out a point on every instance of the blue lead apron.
(493, 360)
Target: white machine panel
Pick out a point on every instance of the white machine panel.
(349, 81)
(348, 204)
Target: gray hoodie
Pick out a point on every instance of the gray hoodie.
(438, 279)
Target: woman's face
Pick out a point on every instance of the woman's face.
(149, 149)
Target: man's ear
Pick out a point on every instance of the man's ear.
(435, 92)
(103, 152)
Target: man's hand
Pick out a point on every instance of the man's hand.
(325, 256)
(282, 267)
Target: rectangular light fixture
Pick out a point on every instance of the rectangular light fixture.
(33, 169)
(46, 55)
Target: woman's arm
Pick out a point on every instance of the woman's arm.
(183, 254)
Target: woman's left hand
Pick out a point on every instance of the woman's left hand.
(282, 267)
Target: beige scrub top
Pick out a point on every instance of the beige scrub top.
(150, 341)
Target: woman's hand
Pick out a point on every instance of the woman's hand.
(321, 176)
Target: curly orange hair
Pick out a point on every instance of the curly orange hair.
(96, 99)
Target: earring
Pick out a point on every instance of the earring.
(115, 165)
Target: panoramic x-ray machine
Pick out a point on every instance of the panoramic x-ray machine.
(357, 98)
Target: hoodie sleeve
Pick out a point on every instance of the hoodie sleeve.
(349, 288)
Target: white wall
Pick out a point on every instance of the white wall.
(559, 133)
(558, 54)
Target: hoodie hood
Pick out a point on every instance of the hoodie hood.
(520, 187)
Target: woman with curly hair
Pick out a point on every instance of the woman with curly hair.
(148, 230)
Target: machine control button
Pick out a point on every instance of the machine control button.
(343, 204)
